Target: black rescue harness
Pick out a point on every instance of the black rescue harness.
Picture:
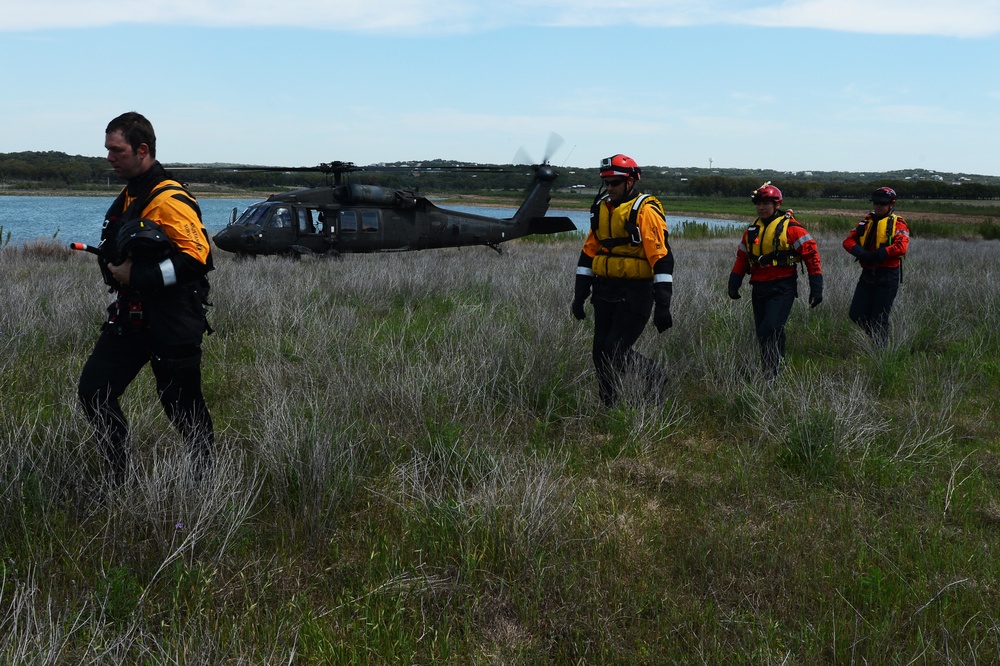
(124, 231)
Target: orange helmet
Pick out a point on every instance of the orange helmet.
(620, 165)
(766, 192)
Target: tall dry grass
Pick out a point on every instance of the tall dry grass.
(413, 466)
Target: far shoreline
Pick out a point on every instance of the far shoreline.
(699, 206)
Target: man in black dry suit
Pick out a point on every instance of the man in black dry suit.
(155, 255)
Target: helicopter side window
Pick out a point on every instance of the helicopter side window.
(369, 221)
(305, 221)
(282, 219)
(348, 221)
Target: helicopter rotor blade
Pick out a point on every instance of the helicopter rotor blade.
(555, 143)
(521, 157)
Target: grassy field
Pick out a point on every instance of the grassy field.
(414, 467)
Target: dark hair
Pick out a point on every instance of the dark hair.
(135, 129)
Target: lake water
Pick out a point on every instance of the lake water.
(79, 219)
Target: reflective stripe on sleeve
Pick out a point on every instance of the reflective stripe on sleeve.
(168, 272)
(583, 270)
(802, 241)
(663, 277)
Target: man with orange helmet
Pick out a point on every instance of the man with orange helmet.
(626, 268)
(879, 243)
(772, 246)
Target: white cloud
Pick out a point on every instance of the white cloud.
(970, 18)
(372, 16)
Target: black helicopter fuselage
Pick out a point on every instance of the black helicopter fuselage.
(356, 218)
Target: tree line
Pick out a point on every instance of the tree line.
(56, 170)
(723, 186)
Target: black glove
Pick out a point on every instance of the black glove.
(582, 292)
(815, 290)
(735, 281)
(857, 251)
(868, 258)
(662, 294)
(661, 318)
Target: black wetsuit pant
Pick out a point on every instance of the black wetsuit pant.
(621, 311)
(872, 302)
(114, 363)
(772, 303)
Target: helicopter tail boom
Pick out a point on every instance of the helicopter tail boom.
(536, 204)
(550, 225)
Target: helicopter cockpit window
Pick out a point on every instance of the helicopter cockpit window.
(348, 221)
(253, 215)
(282, 219)
(369, 221)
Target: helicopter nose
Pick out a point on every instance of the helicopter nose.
(236, 239)
(227, 240)
(221, 240)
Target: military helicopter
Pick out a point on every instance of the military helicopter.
(342, 217)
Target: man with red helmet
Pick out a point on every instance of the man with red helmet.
(772, 246)
(879, 243)
(628, 265)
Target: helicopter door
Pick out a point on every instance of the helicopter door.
(279, 234)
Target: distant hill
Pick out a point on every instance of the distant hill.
(56, 170)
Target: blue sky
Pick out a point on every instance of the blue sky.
(822, 85)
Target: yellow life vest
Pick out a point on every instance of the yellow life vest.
(884, 230)
(622, 254)
(767, 242)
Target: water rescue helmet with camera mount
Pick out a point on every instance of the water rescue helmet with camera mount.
(766, 192)
(620, 166)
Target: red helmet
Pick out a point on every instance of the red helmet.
(620, 165)
(884, 195)
(766, 192)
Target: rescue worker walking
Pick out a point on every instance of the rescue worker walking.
(771, 248)
(879, 243)
(154, 255)
(627, 264)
